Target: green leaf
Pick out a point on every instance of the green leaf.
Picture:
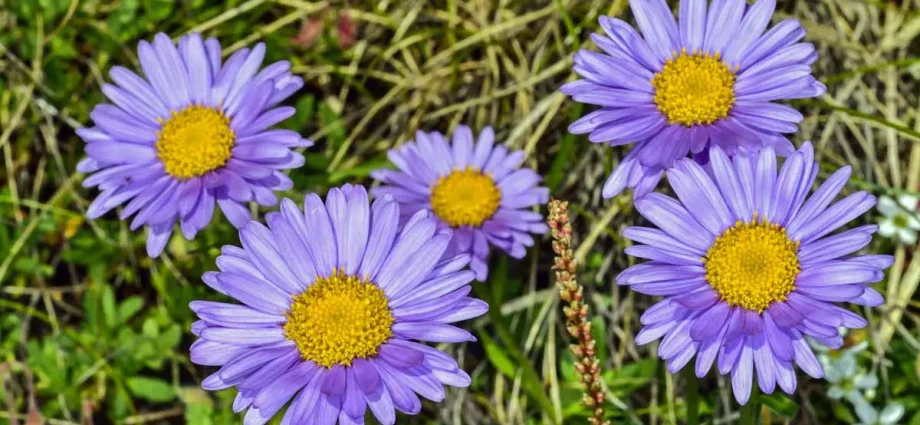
(91, 306)
(151, 389)
(158, 10)
(567, 366)
(128, 308)
(497, 356)
(120, 403)
(599, 332)
(631, 376)
(52, 8)
(109, 314)
(331, 121)
(121, 18)
(781, 404)
(916, 419)
(170, 338)
(842, 412)
(62, 49)
(150, 328)
(31, 266)
(198, 414)
(198, 406)
(304, 114)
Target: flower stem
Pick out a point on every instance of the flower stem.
(750, 413)
(693, 396)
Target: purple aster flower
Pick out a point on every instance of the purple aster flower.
(709, 80)
(335, 302)
(749, 267)
(193, 133)
(474, 187)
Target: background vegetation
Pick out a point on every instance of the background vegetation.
(94, 332)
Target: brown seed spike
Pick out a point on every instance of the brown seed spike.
(576, 312)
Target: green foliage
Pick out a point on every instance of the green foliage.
(780, 404)
(151, 389)
(107, 356)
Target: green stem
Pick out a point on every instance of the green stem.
(693, 396)
(750, 413)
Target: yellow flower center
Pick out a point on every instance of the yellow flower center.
(753, 264)
(195, 141)
(694, 89)
(338, 319)
(465, 197)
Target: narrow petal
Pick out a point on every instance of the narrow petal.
(743, 375)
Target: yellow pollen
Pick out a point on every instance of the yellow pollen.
(338, 319)
(194, 141)
(753, 264)
(694, 89)
(465, 197)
